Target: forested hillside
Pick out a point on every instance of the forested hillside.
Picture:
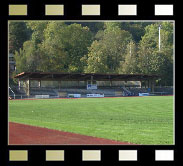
(93, 47)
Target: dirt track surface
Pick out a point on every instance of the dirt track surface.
(20, 134)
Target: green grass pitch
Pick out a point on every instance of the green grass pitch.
(139, 120)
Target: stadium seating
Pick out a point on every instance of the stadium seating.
(136, 91)
(43, 91)
(107, 91)
(164, 90)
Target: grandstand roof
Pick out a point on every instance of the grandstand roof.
(84, 76)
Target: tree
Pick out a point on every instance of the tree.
(137, 29)
(37, 28)
(109, 26)
(151, 37)
(130, 63)
(153, 61)
(106, 53)
(18, 34)
(28, 58)
(109, 47)
(93, 26)
(71, 40)
(58, 48)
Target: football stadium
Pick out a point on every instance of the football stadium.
(97, 83)
(97, 105)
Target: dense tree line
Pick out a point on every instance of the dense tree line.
(99, 47)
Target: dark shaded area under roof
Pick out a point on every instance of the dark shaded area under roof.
(84, 76)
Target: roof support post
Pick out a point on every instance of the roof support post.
(148, 84)
(85, 83)
(91, 79)
(153, 84)
(19, 84)
(28, 87)
(110, 82)
(140, 83)
(59, 84)
(39, 83)
(145, 83)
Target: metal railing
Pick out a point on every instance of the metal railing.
(12, 92)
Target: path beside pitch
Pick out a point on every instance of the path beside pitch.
(20, 134)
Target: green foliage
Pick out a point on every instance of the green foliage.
(93, 26)
(59, 48)
(94, 47)
(106, 53)
(67, 42)
(130, 63)
(153, 61)
(109, 26)
(37, 28)
(137, 29)
(18, 34)
(28, 58)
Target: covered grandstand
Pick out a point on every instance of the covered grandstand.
(54, 84)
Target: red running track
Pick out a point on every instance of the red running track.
(20, 134)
